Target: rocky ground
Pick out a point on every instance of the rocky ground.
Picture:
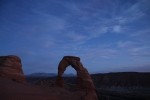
(110, 86)
(44, 89)
(11, 90)
(14, 85)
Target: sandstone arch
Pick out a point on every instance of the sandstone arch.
(85, 82)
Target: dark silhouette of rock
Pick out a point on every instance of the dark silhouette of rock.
(10, 90)
(122, 79)
(11, 68)
(84, 80)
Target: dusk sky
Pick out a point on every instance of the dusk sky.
(108, 35)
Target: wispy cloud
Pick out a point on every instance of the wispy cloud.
(126, 44)
(142, 32)
(95, 30)
(117, 28)
(75, 36)
(134, 48)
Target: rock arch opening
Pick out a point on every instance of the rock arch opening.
(69, 71)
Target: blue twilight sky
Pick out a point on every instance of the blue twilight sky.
(108, 35)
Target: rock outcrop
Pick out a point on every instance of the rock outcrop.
(11, 68)
(84, 81)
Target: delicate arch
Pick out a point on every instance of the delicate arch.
(84, 80)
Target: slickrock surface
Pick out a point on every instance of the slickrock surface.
(11, 68)
(10, 90)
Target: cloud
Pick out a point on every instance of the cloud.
(44, 30)
(98, 52)
(50, 23)
(134, 48)
(95, 31)
(117, 28)
(142, 32)
(95, 23)
(48, 44)
(140, 51)
(75, 36)
(121, 20)
(134, 12)
(126, 44)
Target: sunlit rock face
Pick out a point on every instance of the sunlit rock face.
(11, 68)
(84, 81)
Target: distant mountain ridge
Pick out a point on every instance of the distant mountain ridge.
(113, 79)
(48, 75)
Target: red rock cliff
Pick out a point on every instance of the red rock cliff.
(11, 68)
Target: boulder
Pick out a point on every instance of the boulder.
(11, 68)
(84, 81)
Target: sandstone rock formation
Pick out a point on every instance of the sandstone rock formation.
(11, 68)
(84, 81)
